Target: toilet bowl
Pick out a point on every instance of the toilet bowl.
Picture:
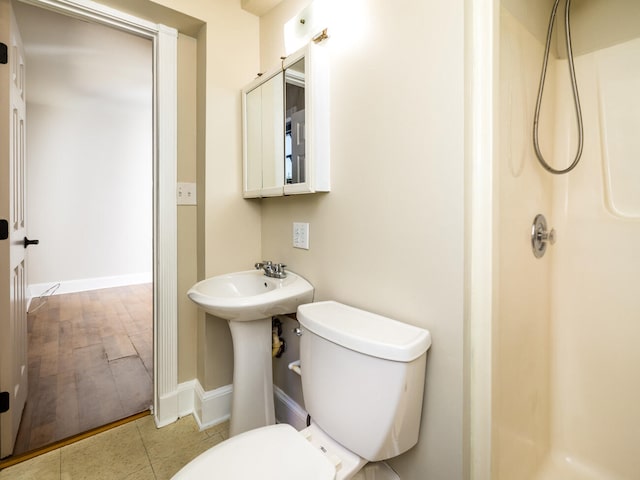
(362, 379)
(275, 452)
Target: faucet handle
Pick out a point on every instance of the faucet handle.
(262, 264)
(279, 270)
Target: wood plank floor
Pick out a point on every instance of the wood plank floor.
(90, 362)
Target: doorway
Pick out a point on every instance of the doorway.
(90, 181)
(164, 39)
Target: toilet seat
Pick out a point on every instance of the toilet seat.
(276, 452)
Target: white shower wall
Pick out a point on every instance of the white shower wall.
(521, 340)
(566, 384)
(595, 315)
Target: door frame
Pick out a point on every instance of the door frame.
(165, 309)
(482, 21)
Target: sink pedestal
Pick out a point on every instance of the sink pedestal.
(248, 300)
(252, 397)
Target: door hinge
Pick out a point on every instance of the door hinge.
(4, 229)
(4, 402)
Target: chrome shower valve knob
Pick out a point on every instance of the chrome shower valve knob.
(540, 236)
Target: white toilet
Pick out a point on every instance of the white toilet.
(363, 382)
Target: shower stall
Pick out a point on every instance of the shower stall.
(565, 327)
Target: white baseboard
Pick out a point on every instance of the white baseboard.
(212, 407)
(177, 404)
(85, 284)
(166, 411)
(186, 397)
(288, 410)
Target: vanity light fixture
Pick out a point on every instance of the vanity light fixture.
(323, 35)
(308, 25)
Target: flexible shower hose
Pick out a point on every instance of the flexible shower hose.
(574, 86)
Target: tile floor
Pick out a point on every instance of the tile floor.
(135, 451)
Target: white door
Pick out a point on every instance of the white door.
(13, 305)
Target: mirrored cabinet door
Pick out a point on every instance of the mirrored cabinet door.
(306, 80)
(272, 135)
(253, 143)
(286, 128)
(294, 118)
(263, 134)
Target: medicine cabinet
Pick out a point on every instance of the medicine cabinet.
(286, 127)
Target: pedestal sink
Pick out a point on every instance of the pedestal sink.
(248, 300)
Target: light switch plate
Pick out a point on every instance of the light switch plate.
(186, 193)
(301, 235)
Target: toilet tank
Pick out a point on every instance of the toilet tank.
(363, 377)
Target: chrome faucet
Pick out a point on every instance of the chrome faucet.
(274, 270)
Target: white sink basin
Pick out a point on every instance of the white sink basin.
(248, 300)
(251, 295)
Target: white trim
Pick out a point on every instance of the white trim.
(482, 67)
(212, 407)
(288, 410)
(86, 284)
(165, 223)
(98, 13)
(186, 397)
(168, 403)
(165, 216)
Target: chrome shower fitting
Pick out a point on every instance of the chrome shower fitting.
(574, 88)
(540, 236)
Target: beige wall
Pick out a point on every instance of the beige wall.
(389, 236)
(187, 214)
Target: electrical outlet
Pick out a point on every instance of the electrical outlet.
(301, 235)
(186, 193)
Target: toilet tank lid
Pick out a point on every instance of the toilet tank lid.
(364, 332)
